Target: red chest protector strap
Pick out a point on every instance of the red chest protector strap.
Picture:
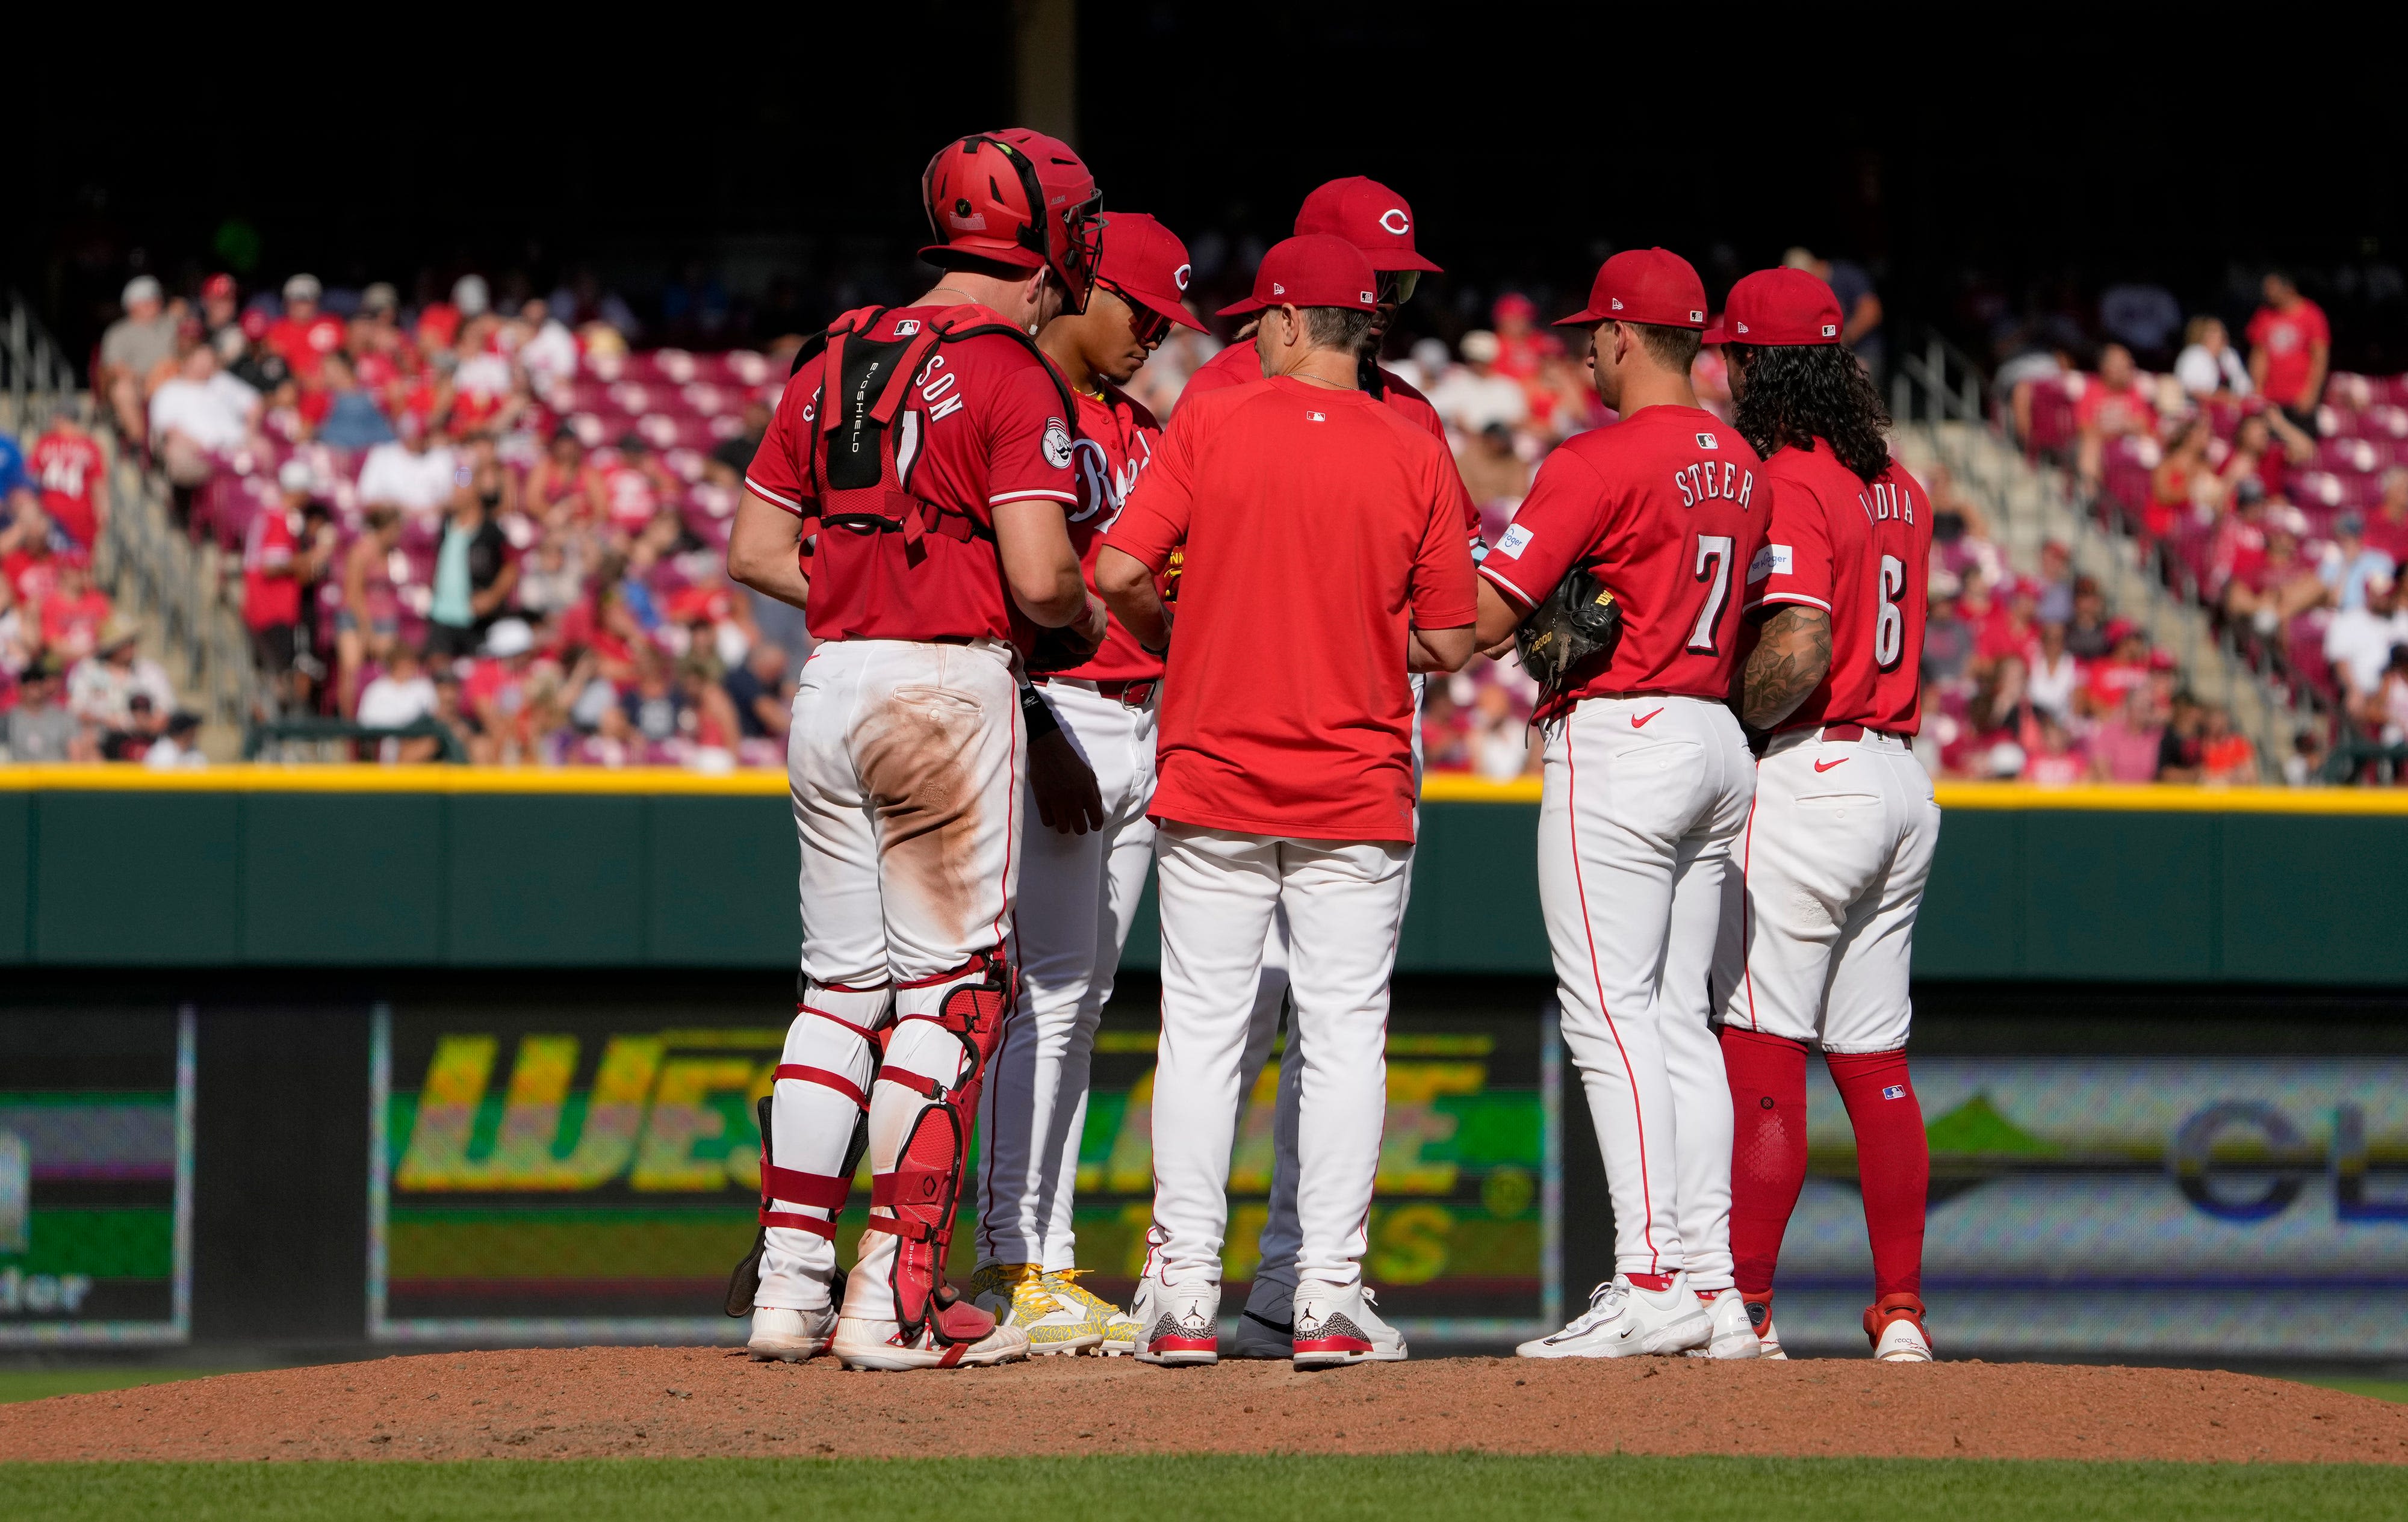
(866, 439)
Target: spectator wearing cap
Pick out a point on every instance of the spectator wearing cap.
(220, 308)
(134, 347)
(2290, 349)
(305, 336)
(502, 693)
(475, 574)
(2359, 640)
(1861, 327)
(41, 727)
(72, 477)
(2209, 368)
(1522, 345)
(113, 689)
(401, 695)
(259, 367)
(2123, 672)
(275, 567)
(2349, 563)
(1478, 393)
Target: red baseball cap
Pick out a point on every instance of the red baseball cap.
(1145, 261)
(1368, 214)
(1779, 307)
(1654, 286)
(1315, 269)
(218, 287)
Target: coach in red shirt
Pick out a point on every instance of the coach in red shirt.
(1324, 560)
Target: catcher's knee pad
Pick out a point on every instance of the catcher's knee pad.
(919, 1187)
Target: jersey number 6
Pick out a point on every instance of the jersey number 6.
(1889, 631)
(1713, 568)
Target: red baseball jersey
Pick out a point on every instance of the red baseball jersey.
(1666, 509)
(68, 467)
(1116, 441)
(990, 430)
(1860, 553)
(1242, 364)
(1318, 525)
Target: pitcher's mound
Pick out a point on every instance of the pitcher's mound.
(683, 1401)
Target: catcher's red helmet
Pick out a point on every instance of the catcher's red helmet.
(1020, 198)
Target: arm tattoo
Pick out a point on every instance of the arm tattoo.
(1786, 665)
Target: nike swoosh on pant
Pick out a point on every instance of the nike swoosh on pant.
(1639, 721)
(1825, 767)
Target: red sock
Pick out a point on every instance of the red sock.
(1893, 1163)
(1767, 1084)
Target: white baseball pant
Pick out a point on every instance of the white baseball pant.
(1643, 800)
(1835, 858)
(1274, 1286)
(1344, 903)
(1080, 892)
(907, 765)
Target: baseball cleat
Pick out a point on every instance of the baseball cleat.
(862, 1344)
(786, 1336)
(1734, 1335)
(1339, 1324)
(1114, 1328)
(1182, 1321)
(1759, 1315)
(1895, 1328)
(1622, 1321)
(1018, 1295)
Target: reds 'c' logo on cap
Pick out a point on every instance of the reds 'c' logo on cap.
(1396, 221)
(1178, 276)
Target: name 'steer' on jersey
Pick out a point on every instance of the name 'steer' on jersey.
(1665, 508)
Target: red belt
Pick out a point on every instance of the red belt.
(1132, 695)
(1856, 732)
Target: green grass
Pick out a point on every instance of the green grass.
(1383, 1489)
(40, 1383)
(2380, 1389)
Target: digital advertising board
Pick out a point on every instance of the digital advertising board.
(96, 1177)
(538, 1176)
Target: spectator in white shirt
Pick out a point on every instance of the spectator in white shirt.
(2209, 366)
(550, 352)
(1469, 399)
(401, 696)
(102, 687)
(413, 473)
(199, 413)
(2359, 641)
(2348, 562)
(2051, 677)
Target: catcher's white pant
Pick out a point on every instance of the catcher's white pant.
(1836, 856)
(907, 765)
(1643, 800)
(1078, 894)
(1344, 903)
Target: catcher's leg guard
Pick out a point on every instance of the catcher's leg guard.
(809, 1146)
(920, 1117)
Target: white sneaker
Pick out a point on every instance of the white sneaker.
(1339, 1324)
(1734, 1335)
(1019, 1295)
(1759, 1312)
(1181, 1322)
(783, 1336)
(1895, 1326)
(863, 1344)
(1624, 1320)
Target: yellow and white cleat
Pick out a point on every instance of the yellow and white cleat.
(1116, 1329)
(1019, 1295)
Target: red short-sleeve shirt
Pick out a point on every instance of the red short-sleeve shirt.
(990, 430)
(2289, 339)
(1318, 528)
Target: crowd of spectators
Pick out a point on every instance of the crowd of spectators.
(2270, 490)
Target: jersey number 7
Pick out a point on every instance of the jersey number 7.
(1714, 569)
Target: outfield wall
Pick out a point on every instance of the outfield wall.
(451, 867)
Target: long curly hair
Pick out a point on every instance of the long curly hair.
(1798, 394)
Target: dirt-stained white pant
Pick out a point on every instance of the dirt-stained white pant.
(1078, 892)
(907, 764)
(1835, 858)
(1642, 801)
(1344, 903)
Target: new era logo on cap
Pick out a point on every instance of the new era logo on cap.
(1617, 304)
(1278, 290)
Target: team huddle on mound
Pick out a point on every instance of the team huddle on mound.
(1058, 642)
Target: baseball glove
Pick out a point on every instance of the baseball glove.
(1578, 619)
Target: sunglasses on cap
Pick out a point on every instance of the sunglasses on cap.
(1146, 325)
(1396, 286)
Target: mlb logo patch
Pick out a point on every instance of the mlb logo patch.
(1707, 441)
(1894, 1091)
(1830, 330)
(1316, 417)
(907, 327)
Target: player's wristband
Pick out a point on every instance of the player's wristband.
(1037, 714)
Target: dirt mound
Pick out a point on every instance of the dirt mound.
(581, 1402)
